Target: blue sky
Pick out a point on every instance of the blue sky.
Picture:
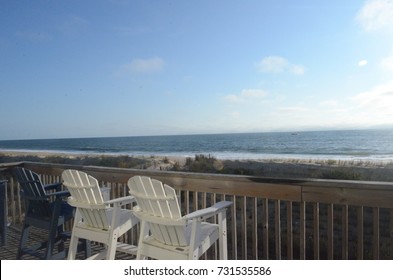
(128, 67)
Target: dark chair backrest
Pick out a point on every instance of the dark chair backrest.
(34, 193)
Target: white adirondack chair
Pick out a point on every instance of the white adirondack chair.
(165, 234)
(97, 218)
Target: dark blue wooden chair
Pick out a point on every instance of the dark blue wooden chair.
(47, 210)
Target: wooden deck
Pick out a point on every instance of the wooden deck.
(270, 218)
(9, 251)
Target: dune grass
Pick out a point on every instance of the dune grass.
(205, 163)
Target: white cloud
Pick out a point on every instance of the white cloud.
(329, 103)
(387, 62)
(235, 115)
(376, 15)
(378, 102)
(362, 63)
(278, 64)
(149, 65)
(332, 107)
(293, 109)
(297, 69)
(253, 93)
(273, 64)
(233, 98)
(245, 95)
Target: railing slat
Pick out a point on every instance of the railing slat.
(330, 231)
(234, 229)
(376, 233)
(278, 229)
(254, 212)
(265, 233)
(360, 232)
(391, 233)
(316, 230)
(289, 231)
(302, 231)
(243, 215)
(344, 226)
(187, 202)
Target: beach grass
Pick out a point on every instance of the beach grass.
(205, 163)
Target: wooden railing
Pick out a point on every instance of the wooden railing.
(269, 218)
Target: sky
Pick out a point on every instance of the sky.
(101, 68)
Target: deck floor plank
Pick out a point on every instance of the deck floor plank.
(9, 251)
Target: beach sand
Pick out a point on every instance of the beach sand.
(145, 162)
(278, 168)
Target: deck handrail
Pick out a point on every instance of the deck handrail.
(271, 217)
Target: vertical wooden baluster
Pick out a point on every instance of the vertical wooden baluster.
(255, 229)
(278, 228)
(391, 233)
(375, 233)
(289, 231)
(345, 232)
(244, 226)
(265, 221)
(330, 231)
(234, 229)
(302, 233)
(360, 231)
(316, 230)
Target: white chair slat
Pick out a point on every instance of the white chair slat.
(142, 201)
(150, 187)
(97, 220)
(168, 235)
(173, 204)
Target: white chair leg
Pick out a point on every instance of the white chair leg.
(142, 233)
(222, 220)
(111, 249)
(73, 247)
(194, 247)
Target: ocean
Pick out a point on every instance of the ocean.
(373, 145)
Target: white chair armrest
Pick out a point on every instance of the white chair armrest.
(158, 220)
(121, 200)
(203, 214)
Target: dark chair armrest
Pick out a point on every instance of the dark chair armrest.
(59, 194)
(36, 198)
(55, 186)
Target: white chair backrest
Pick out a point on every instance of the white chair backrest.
(86, 196)
(159, 200)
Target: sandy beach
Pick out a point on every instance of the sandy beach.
(148, 162)
(275, 167)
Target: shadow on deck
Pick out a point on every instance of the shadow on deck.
(9, 251)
